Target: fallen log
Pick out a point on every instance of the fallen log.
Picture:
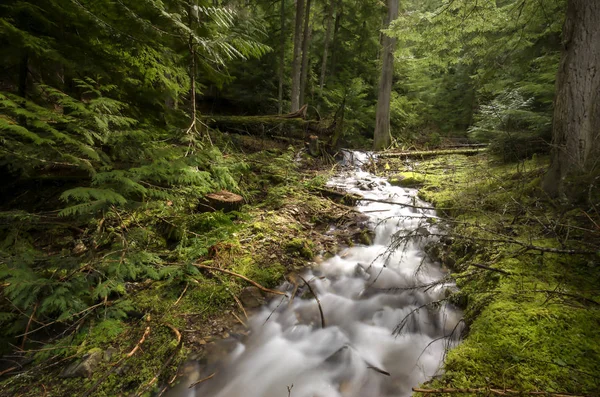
(431, 153)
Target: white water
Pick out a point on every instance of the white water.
(365, 292)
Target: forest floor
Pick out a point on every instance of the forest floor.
(528, 272)
(527, 269)
(285, 228)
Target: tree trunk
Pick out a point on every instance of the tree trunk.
(192, 49)
(281, 60)
(382, 136)
(297, 59)
(305, 52)
(576, 122)
(336, 29)
(328, 27)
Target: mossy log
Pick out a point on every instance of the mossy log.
(269, 126)
(432, 153)
(222, 200)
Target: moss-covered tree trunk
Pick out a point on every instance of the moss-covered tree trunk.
(576, 124)
(381, 138)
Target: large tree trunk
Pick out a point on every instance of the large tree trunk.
(382, 136)
(576, 123)
(281, 60)
(297, 59)
(305, 52)
(328, 26)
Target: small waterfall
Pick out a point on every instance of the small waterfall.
(382, 335)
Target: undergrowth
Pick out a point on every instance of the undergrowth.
(72, 285)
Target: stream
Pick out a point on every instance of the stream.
(382, 336)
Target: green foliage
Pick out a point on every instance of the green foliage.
(485, 66)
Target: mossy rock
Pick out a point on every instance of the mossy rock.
(407, 179)
(302, 247)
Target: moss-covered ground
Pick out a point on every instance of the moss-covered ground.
(280, 230)
(533, 323)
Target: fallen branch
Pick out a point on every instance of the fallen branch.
(118, 364)
(183, 293)
(166, 363)
(493, 269)
(488, 390)
(574, 296)
(317, 299)
(202, 380)
(257, 285)
(404, 321)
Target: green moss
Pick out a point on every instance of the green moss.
(533, 329)
(302, 247)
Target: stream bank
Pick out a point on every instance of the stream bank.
(282, 227)
(528, 271)
(373, 320)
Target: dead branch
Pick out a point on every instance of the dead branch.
(202, 380)
(574, 296)
(58, 321)
(257, 285)
(488, 390)
(519, 243)
(493, 269)
(137, 346)
(117, 364)
(183, 293)
(166, 363)
(379, 370)
(404, 321)
(317, 299)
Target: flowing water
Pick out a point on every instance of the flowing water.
(375, 342)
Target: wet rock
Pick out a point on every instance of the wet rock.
(359, 271)
(85, 367)
(251, 297)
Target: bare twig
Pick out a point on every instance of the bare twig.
(117, 364)
(167, 362)
(493, 269)
(202, 380)
(183, 293)
(317, 299)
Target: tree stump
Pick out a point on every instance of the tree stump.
(222, 200)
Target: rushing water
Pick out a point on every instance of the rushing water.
(365, 293)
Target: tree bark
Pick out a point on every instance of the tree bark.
(328, 27)
(192, 49)
(336, 29)
(297, 58)
(305, 52)
(576, 121)
(382, 136)
(281, 60)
